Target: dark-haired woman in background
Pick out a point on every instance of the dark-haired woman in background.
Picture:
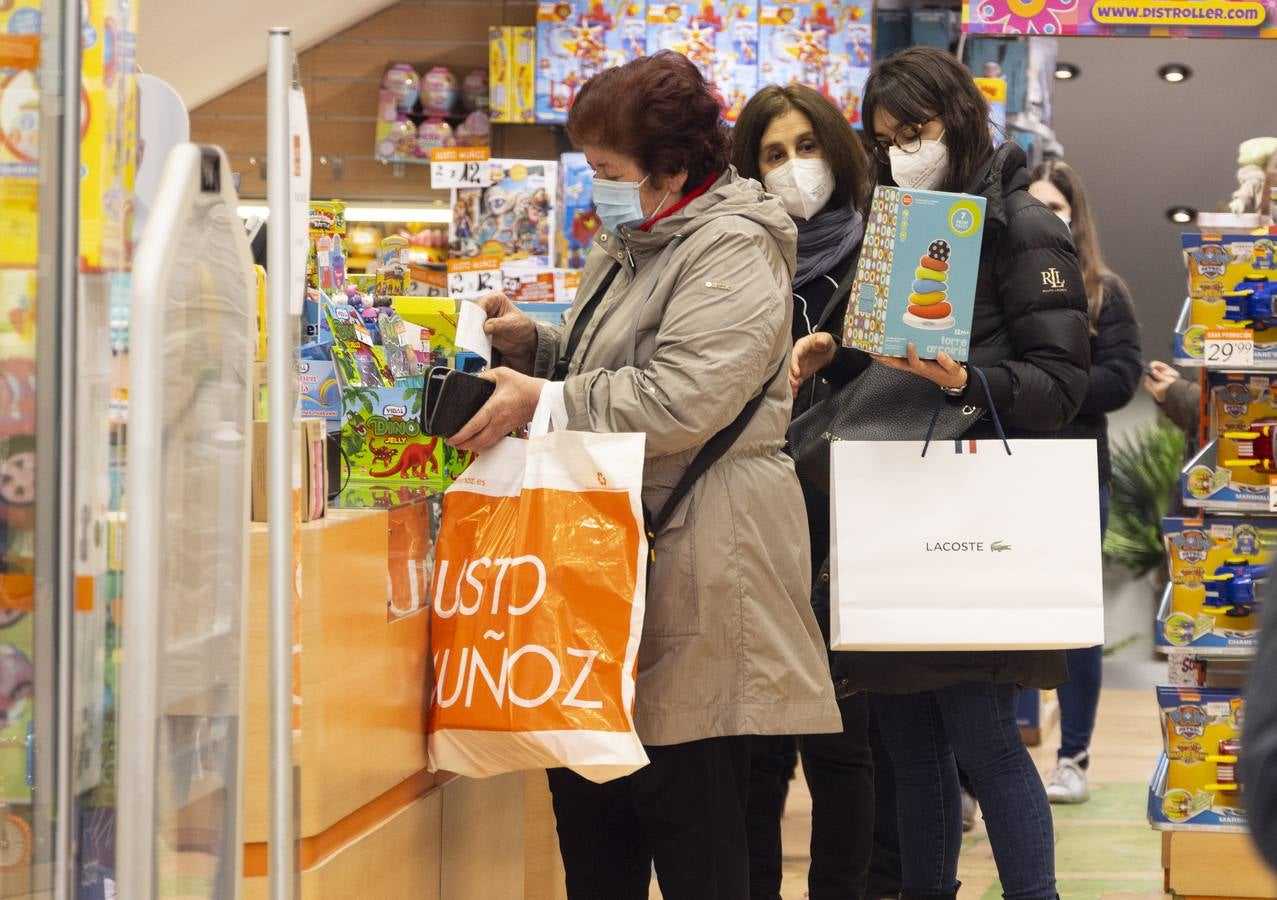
(1116, 364)
(803, 150)
(1029, 339)
(682, 318)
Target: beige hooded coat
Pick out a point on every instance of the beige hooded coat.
(696, 323)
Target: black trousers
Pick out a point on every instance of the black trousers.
(685, 812)
(839, 769)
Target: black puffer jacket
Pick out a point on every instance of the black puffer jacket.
(1030, 337)
(1116, 364)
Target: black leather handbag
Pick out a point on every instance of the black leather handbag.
(881, 404)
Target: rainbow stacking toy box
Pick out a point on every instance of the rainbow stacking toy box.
(917, 275)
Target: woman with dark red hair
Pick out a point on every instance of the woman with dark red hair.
(681, 331)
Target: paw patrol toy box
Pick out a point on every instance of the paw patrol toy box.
(1195, 786)
(917, 274)
(1232, 288)
(720, 37)
(1217, 567)
(1235, 470)
(578, 39)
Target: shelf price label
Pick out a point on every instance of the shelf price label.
(469, 278)
(460, 167)
(1230, 349)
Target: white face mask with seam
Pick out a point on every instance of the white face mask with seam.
(925, 169)
(803, 185)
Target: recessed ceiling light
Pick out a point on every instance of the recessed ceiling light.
(1066, 72)
(1175, 73)
(1181, 215)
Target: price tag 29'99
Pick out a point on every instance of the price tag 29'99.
(460, 167)
(1229, 349)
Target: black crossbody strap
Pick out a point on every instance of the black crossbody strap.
(581, 322)
(713, 450)
(843, 288)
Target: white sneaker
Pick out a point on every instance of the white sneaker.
(969, 807)
(1068, 782)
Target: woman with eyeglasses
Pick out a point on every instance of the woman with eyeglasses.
(1030, 340)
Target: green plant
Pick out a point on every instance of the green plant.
(1146, 471)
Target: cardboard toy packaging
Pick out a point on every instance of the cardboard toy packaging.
(578, 223)
(1236, 468)
(1195, 787)
(108, 150)
(917, 274)
(512, 219)
(108, 146)
(311, 475)
(719, 36)
(1232, 287)
(825, 44)
(578, 39)
(1216, 564)
(512, 73)
(995, 91)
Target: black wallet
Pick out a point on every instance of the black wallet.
(452, 399)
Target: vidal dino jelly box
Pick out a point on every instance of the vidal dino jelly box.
(917, 274)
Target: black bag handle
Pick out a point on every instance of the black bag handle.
(993, 410)
(582, 321)
(713, 450)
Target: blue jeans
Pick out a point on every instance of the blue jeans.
(1080, 697)
(972, 725)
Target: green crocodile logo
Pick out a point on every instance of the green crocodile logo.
(999, 547)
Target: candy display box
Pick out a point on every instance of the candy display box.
(917, 274)
(1216, 567)
(1195, 784)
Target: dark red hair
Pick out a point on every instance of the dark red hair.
(659, 111)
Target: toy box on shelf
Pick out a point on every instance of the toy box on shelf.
(720, 37)
(578, 39)
(1232, 293)
(512, 53)
(1216, 566)
(578, 222)
(512, 219)
(826, 44)
(1195, 784)
(1233, 473)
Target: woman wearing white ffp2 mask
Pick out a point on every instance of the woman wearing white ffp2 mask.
(802, 149)
(1030, 342)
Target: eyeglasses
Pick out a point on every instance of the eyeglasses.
(908, 139)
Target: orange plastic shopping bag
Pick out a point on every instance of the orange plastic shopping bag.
(538, 598)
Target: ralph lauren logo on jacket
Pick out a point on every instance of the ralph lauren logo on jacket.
(1052, 279)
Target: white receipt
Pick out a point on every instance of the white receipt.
(470, 334)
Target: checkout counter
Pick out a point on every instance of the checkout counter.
(373, 821)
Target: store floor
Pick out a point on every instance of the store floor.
(1104, 848)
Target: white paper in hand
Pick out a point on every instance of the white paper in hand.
(470, 334)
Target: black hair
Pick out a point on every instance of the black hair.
(922, 83)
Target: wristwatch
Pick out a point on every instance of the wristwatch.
(957, 391)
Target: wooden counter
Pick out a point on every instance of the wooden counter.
(373, 821)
